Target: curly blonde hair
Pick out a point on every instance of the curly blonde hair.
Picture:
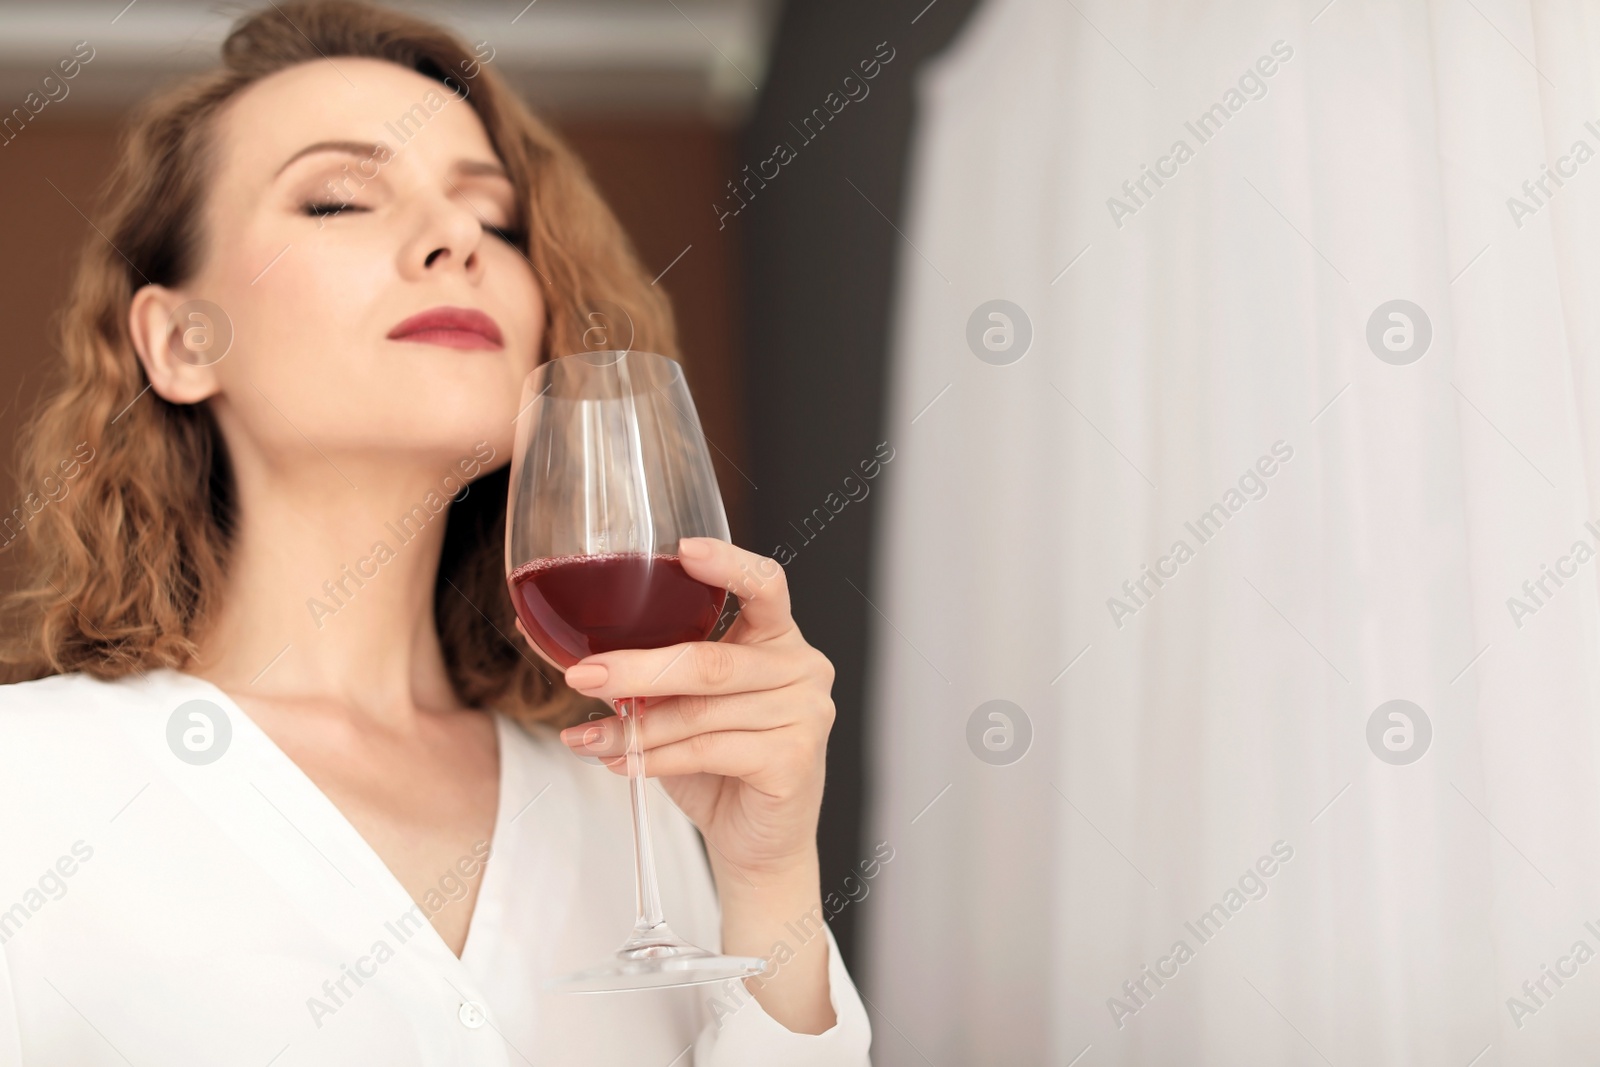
(121, 572)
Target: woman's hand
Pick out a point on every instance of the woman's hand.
(737, 729)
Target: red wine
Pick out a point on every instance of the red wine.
(575, 606)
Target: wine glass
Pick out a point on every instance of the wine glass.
(609, 470)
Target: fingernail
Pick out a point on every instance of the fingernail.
(587, 676)
(693, 548)
(583, 736)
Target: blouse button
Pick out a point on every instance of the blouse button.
(471, 1015)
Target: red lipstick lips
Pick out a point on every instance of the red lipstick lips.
(451, 327)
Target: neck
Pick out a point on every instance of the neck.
(331, 584)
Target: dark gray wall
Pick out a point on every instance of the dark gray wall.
(818, 270)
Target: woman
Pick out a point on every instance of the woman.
(254, 801)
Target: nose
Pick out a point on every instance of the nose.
(447, 237)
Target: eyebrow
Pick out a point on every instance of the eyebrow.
(471, 168)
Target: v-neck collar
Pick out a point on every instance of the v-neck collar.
(397, 900)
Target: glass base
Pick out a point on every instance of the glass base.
(655, 960)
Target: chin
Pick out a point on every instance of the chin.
(454, 433)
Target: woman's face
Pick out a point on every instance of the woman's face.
(346, 199)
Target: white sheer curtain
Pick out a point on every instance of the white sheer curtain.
(1229, 710)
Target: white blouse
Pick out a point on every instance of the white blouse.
(156, 908)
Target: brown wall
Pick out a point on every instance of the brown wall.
(660, 176)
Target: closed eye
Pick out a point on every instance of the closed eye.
(324, 208)
(515, 238)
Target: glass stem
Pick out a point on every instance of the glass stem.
(644, 862)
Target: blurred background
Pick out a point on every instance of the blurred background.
(1180, 424)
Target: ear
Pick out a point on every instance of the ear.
(179, 341)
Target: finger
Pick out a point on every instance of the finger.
(673, 719)
(730, 753)
(695, 667)
(758, 581)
